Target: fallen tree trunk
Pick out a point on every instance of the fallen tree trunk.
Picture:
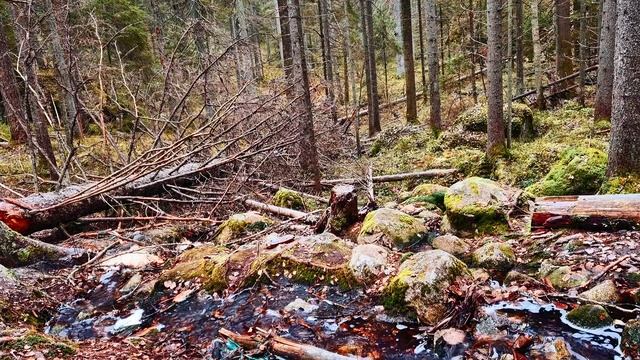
(19, 250)
(285, 347)
(589, 212)
(48, 210)
(294, 214)
(390, 178)
(554, 83)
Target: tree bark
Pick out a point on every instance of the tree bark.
(519, 37)
(410, 76)
(433, 51)
(13, 109)
(564, 45)
(308, 157)
(18, 250)
(509, 69)
(325, 15)
(624, 150)
(606, 50)
(285, 36)
(370, 66)
(472, 50)
(423, 70)
(495, 124)
(398, 36)
(582, 49)
(537, 53)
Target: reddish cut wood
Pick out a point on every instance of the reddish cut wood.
(589, 212)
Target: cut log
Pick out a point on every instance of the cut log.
(342, 212)
(588, 212)
(19, 250)
(285, 347)
(48, 210)
(390, 178)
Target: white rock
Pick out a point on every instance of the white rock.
(368, 260)
(135, 260)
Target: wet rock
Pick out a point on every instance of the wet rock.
(590, 316)
(452, 244)
(132, 284)
(631, 338)
(368, 261)
(424, 194)
(477, 205)
(288, 199)
(322, 258)
(579, 171)
(299, 305)
(551, 349)
(606, 291)
(494, 256)
(135, 260)
(421, 284)
(561, 277)
(391, 228)
(240, 225)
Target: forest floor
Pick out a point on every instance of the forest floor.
(137, 300)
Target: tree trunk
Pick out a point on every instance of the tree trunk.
(423, 70)
(564, 45)
(13, 108)
(18, 250)
(246, 66)
(602, 106)
(308, 157)
(285, 36)
(582, 49)
(70, 112)
(433, 52)
(537, 53)
(370, 66)
(410, 76)
(472, 50)
(495, 124)
(509, 69)
(397, 17)
(624, 152)
(519, 35)
(325, 15)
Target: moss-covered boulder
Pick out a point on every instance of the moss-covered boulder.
(239, 225)
(288, 199)
(494, 256)
(477, 205)
(579, 171)
(475, 119)
(452, 244)
(427, 193)
(391, 228)
(606, 291)
(322, 258)
(631, 338)
(421, 283)
(368, 261)
(590, 316)
(561, 277)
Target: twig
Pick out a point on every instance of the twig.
(609, 267)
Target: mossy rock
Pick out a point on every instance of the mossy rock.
(631, 338)
(494, 256)
(427, 193)
(561, 277)
(36, 341)
(322, 258)
(606, 291)
(621, 185)
(391, 228)
(590, 316)
(288, 199)
(239, 225)
(579, 171)
(421, 283)
(477, 205)
(475, 119)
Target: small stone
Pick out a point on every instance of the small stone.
(494, 256)
(368, 261)
(606, 291)
(590, 316)
(452, 244)
(132, 284)
(299, 305)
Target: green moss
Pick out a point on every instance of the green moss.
(36, 341)
(289, 199)
(579, 171)
(239, 225)
(590, 316)
(621, 185)
(399, 229)
(631, 337)
(393, 296)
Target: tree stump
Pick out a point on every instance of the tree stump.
(342, 212)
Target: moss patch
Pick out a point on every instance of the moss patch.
(590, 316)
(288, 199)
(241, 224)
(393, 227)
(37, 341)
